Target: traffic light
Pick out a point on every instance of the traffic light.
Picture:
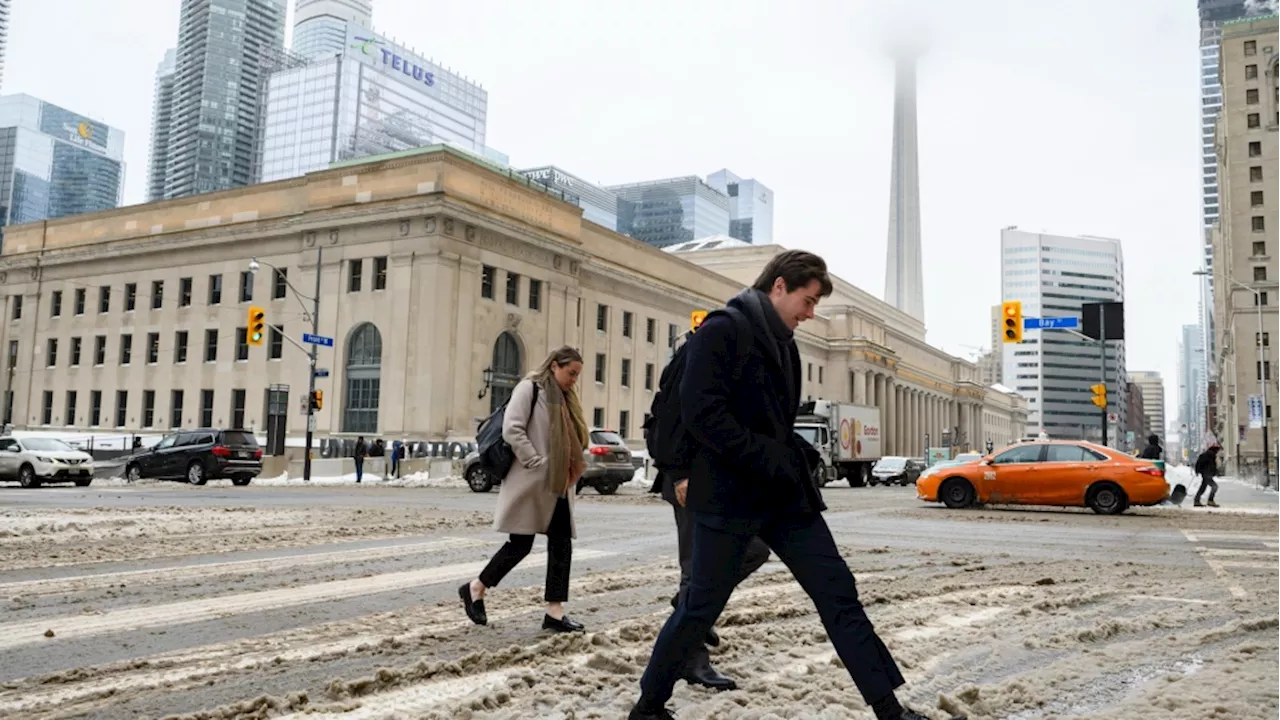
(695, 319)
(1012, 312)
(1099, 395)
(317, 400)
(257, 325)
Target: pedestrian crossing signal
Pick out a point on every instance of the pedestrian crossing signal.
(1012, 314)
(257, 325)
(1099, 394)
(317, 400)
(696, 318)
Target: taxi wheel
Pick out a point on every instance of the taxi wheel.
(1106, 498)
(957, 493)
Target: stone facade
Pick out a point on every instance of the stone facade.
(459, 266)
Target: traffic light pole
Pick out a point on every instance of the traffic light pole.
(1102, 353)
(311, 380)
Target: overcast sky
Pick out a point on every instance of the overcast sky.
(1067, 117)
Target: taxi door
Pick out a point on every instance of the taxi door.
(1013, 476)
(1067, 472)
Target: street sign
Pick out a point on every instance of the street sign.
(322, 372)
(311, 423)
(317, 340)
(1051, 323)
(1255, 411)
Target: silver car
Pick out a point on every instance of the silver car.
(37, 460)
(609, 465)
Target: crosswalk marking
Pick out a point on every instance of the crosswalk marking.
(1221, 560)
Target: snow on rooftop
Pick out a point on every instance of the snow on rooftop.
(711, 242)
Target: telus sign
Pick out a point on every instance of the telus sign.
(413, 70)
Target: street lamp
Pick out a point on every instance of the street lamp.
(254, 265)
(488, 382)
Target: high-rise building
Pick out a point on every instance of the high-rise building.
(373, 98)
(750, 207)
(598, 204)
(54, 162)
(1054, 276)
(1151, 385)
(161, 123)
(671, 211)
(225, 48)
(4, 35)
(903, 276)
(320, 26)
(1191, 398)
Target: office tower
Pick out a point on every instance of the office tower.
(1191, 400)
(225, 48)
(903, 278)
(1151, 385)
(54, 162)
(671, 211)
(4, 36)
(750, 207)
(1054, 276)
(598, 204)
(161, 123)
(320, 26)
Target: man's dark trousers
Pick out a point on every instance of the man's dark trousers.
(804, 543)
(757, 553)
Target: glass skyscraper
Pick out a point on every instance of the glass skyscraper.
(54, 162)
(672, 211)
(320, 26)
(598, 205)
(374, 98)
(750, 207)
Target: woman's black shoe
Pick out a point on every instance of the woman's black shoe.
(474, 608)
(564, 624)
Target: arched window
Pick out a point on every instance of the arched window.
(506, 369)
(363, 380)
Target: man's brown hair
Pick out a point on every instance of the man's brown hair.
(797, 268)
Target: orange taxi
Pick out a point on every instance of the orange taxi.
(1065, 473)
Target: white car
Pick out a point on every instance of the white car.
(33, 461)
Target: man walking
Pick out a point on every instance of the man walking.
(1206, 468)
(360, 451)
(749, 478)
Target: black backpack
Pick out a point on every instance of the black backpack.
(665, 436)
(495, 452)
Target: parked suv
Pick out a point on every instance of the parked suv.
(899, 470)
(36, 460)
(609, 465)
(199, 456)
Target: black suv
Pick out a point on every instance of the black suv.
(198, 456)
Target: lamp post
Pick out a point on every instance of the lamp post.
(488, 381)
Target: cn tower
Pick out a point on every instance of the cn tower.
(903, 282)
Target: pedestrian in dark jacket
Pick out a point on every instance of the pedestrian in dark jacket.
(361, 450)
(749, 478)
(1152, 451)
(1206, 468)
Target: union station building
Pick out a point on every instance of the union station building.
(442, 280)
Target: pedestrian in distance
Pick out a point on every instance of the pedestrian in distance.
(358, 456)
(547, 433)
(1153, 451)
(397, 451)
(1206, 468)
(749, 478)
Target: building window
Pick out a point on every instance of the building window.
(1259, 273)
(1250, 72)
(180, 346)
(75, 352)
(104, 299)
(1256, 198)
(211, 345)
(153, 348)
(626, 323)
(648, 376)
(237, 409)
(513, 289)
(80, 300)
(279, 283)
(1264, 339)
(70, 417)
(1255, 149)
(175, 409)
(17, 307)
(46, 411)
(215, 289)
(809, 373)
(100, 350)
(184, 292)
(626, 372)
(535, 294)
(487, 274)
(624, 424)
(1251, 96)
(206, 408)
(1258, 223)
(1250, 48)
(55, 304)
(597, 417)
(820, 374)
(650, 330)
(506, 363)
(1253, 120)
(246, 286)
(148, 408)
(355, 275)
(275, 348)
(130, 296)
(1259, 248)
(380, 273)
(1261, 298)
(602, 318)
(122, 408)
(363, 380)
(1264, 372)
(600, 367)
(157, 294)
(126, 349)
(95, 408)
(1255, 173)
(242, 344)
(51, 352)
(671, 335)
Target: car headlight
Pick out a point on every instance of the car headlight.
(44, 460)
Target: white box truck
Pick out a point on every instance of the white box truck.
(846, 436)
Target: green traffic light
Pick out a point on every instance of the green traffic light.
(257, 337)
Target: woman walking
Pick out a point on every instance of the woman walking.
(543, 424)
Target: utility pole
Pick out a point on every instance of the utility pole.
(1102, 353)
(311, 380)
(1262, 380)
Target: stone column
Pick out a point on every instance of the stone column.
(877, 396)
(859, 388)
(888, 416)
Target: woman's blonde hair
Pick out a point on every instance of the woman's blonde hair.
(559, 357)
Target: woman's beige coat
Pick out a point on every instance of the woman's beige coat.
(525, 505)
